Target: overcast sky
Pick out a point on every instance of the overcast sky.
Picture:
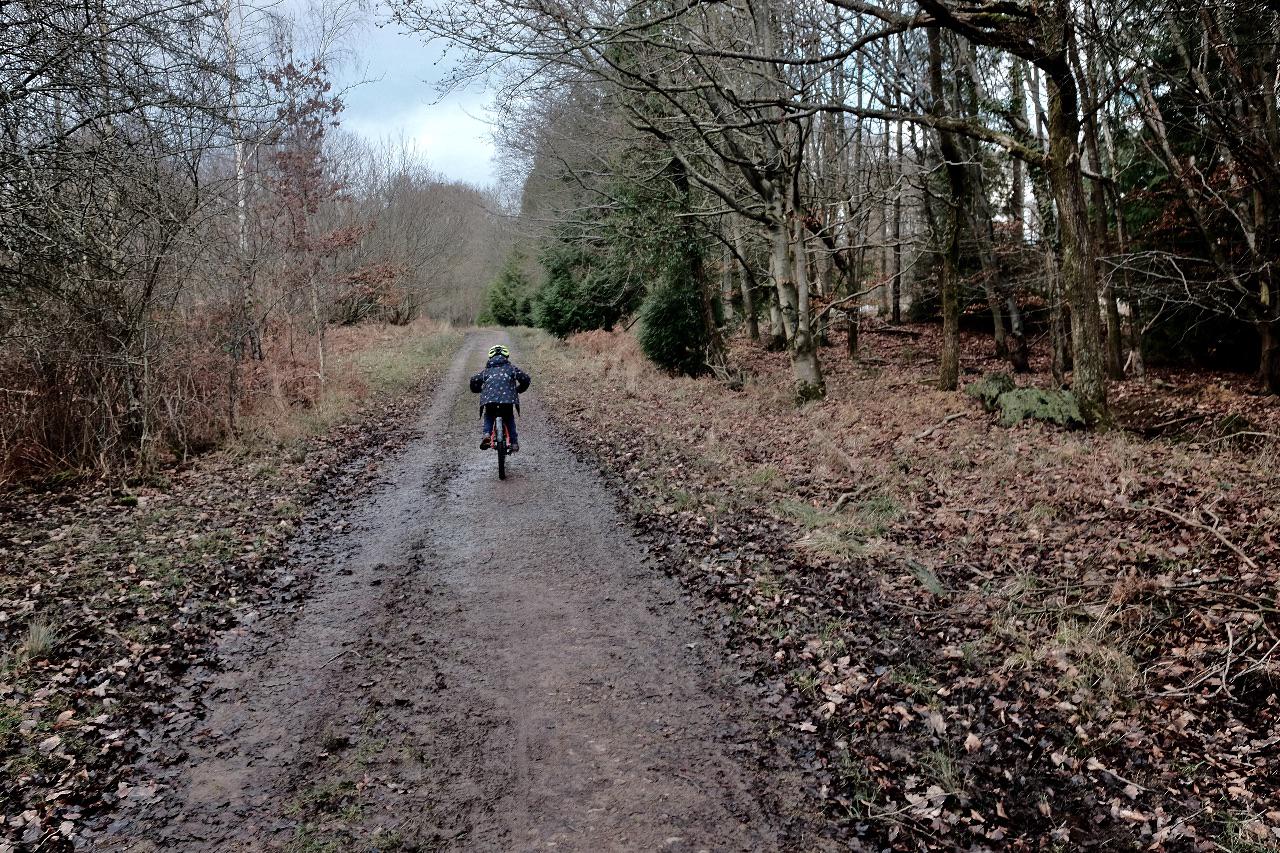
(401, 100)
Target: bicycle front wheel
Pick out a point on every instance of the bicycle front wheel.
(501, 431)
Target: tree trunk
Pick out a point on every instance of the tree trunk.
(1060, 359)
(749, 311)
(318, 317)
(980, 225)
(1136, 364)
(782, 309)
(1088, 76)
(949, 358)
(783, 281)
(715, 351)
(900, 173)
(977, 208)
(1079, 262)
(715, 355)
(1019, 357)
(246, 325)
(1115, 332)
(896, 308)
(804, 344)
(726, 284)
(748, 298)
(886, 251)
(1050, 233)
(777, 329)
(1269, 360)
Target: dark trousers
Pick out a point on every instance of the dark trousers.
(508, 414)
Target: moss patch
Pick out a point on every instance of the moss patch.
(1057, 407)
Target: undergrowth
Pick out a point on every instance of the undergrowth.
(954, 604)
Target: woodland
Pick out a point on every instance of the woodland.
(940, 340)
(1096, 176)
(183, 220)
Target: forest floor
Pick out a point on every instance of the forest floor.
(986, 638)
(876, 621)
(112, 591)
(456, 663)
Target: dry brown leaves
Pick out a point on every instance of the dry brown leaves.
(111, 594)
(986, 638)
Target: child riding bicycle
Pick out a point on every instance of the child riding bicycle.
(500, 385)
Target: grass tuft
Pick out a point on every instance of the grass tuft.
(39, 641)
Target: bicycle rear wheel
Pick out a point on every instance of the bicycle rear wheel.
(500, 430)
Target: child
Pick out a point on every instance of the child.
(499, 386)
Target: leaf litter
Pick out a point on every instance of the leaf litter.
(983, 637)
(113, 592)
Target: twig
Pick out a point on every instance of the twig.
(1236, 435)
(1181, 420)
(1098, 765)
(1224, 685)
(844, 300)
(948, 419)
(908, 807)
(914, 611)
(1260, 663)
(334, 658)
(845, 497)
(891, 330)
(1192, 523)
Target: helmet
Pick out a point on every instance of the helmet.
(498, 350)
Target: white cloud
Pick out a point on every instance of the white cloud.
(398, 100)
(451, 136)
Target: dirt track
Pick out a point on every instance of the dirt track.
(477, 665)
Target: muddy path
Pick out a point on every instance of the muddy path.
(476, 664)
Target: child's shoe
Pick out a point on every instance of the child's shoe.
(486, 442)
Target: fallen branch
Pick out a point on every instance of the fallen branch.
(893, 330)
(845, 497)
(939, 425)
(1236, 435)
(1175, 422)
(1193, 523)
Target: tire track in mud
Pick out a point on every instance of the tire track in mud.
(479, 665)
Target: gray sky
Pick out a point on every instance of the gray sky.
(400, 100)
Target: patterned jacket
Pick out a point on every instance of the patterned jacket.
(500, 382)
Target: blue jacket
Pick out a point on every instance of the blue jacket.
(500, 382)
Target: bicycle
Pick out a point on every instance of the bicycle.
(498, 442)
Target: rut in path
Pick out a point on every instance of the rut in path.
(478, 665)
